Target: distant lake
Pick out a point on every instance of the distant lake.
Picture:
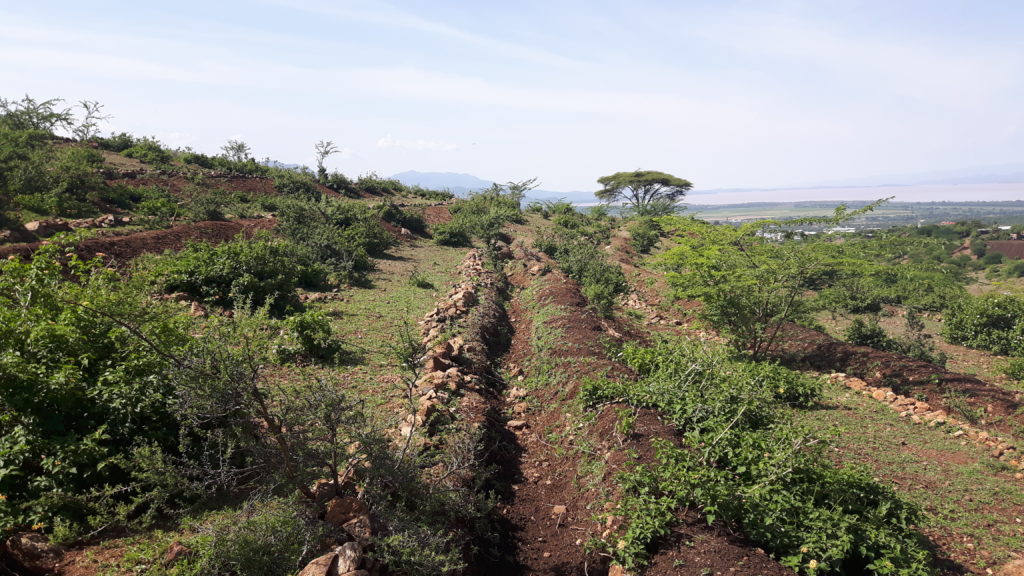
(916, 193)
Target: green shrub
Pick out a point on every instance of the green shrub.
(117, 142)
(992, 258)
(741, 460)
(242, 274)
(391, 213)
(337, 234)
(265, 538)
(869, 333)
(309, 335)
(296, 184)
(644, 235)
(993, 322)
(78, 390)
(1014, 368)
(149, 151)
(451, 234)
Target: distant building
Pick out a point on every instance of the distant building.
(946, 223)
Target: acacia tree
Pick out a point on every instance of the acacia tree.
(647, 191)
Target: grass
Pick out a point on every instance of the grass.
(973, 504)
(368, 317)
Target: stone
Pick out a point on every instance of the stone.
(176, 551)
(517, 424)
(878, 394)
(558, 510)
(616, 570)
(32, 553)
(436, 364)
(341, 510)
(326, 565)
(350, 556)
(1013, 568)
(360, 528)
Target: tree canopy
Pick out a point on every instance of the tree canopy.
(644, 190)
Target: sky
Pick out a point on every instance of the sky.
(723, 93)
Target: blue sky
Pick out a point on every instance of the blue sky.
(724, 93)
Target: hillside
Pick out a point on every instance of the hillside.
(213, 366)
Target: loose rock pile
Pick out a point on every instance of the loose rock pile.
(921, 412)
(454, 368)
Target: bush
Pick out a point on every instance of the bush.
(309, 335)
(391, 213)
(992, 259)
(734, 440)
(78, 390)
(241, 274)
(149, 151)
(993, 322)
(117, 142)
(296, 184)
(644, 235)
(266, 538)
(868, 334)
(451, 234)
(339, 235)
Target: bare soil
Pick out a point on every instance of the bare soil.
(119, 250)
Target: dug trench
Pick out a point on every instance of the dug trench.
(558, 462)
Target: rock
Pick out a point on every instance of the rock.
(517, 424)
(878, 394)
(176, 551)
(436, 364)
(558, 510)
(616, 570)
(1014, 568)
(326, 565)
(32, 553)
(341, 510)
(360, 528)
(197, 310)
(517, 392)
(350, 556)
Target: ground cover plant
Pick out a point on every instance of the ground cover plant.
(741, 460)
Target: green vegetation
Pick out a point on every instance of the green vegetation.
(993, 322)
(741, 460)
(575, 242)
(483, 214)
(648, 193)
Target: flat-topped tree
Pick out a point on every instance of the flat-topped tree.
(647, 191)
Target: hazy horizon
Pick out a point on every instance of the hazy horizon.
(726, 94)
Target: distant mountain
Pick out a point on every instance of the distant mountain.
(458, 184)
(463, 184)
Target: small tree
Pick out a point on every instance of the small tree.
(236, 151)
(749, 283)
(324, 148)
(92, 115)
(30, 114)
(646, 191)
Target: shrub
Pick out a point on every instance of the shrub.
(339, 235)
(451, 234)
(78, 391)
(241, 274)
(149, 151)
(391, 213)
(644, 235)
(735, 441)
(266, 537)
(1014, 368)
(992, 258)
(993, 322)
(117, 142)
(869, 333)
(309, 335)
(297, 184)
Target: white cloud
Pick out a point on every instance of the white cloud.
(432, 145)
